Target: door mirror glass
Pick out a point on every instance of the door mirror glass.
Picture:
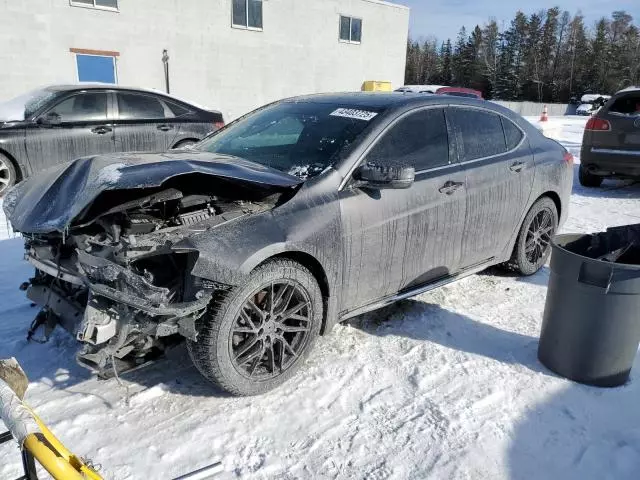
(380, 177)
(51, 118)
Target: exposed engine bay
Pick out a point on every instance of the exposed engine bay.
(113, 280)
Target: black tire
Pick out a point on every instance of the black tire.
(7, 174)
(587, 179)
(219, 347)
(524, 260)
(184, 144)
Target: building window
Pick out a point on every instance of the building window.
(350, 29)
(101, 4)
(96, 65)
(247, 14)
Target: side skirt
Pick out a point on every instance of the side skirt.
(388, 300)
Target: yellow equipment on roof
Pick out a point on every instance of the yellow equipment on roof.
(376, 86)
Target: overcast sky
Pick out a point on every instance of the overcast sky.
(443, 18)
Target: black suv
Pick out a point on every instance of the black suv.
(56, 124)
(611, 142)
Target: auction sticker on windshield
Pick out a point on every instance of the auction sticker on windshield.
(354, 113)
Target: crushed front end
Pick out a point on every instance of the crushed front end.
(110, 272)
(117, 284)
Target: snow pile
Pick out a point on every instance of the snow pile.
(568, 129)
(5, 226)
(443, 386)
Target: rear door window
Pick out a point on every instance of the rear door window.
(84, 107)
(479, 132)
(133, 106)
(419, 140)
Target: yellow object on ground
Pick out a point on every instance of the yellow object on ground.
(376, 86)
(35, 439)
(71, 465)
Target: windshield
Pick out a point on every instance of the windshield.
(301, 138)
(25, 105)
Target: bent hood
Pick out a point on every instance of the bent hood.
(51, 200)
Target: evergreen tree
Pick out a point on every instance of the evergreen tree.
(546, 56)
(489, 57)
(447, 68)
(458, 62)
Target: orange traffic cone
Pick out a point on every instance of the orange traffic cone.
(545, 115)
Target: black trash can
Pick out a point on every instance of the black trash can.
(591, 326)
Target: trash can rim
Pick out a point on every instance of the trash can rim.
(574, 236)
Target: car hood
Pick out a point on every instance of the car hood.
(51, 200)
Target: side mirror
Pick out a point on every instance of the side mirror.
(51, 118)
(378, 177)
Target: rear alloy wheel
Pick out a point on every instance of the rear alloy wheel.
(7, 174)
(255, 337)
(533, 245)
(587, 179)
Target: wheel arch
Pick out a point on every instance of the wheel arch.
(184, 140)
(16, 165)
(317, 270)
(556, 199)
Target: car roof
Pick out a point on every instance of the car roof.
(380, 100)
(628, 90)
(96, 85)
(92, 85)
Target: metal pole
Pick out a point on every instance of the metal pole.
(203, 473)
(29, 466)
(165, 61)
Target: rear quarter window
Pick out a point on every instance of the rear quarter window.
(512, 134)
(177, 110)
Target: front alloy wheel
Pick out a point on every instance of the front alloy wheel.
(7, 174)
(271, 330)
(256, 336)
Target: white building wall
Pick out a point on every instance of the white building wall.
(211, 63)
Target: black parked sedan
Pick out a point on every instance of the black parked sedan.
(56, 124)
(302, 214)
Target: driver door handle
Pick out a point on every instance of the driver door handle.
(450, 187)
(516, 167)
(101, 130)
(164, 127)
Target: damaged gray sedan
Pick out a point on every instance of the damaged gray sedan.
(301, 214)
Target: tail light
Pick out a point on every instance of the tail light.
(218, 125)
(596, 124)
(568, 157)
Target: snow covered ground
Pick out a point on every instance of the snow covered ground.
(446, 385)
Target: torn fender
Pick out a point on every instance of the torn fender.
(230, 255)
